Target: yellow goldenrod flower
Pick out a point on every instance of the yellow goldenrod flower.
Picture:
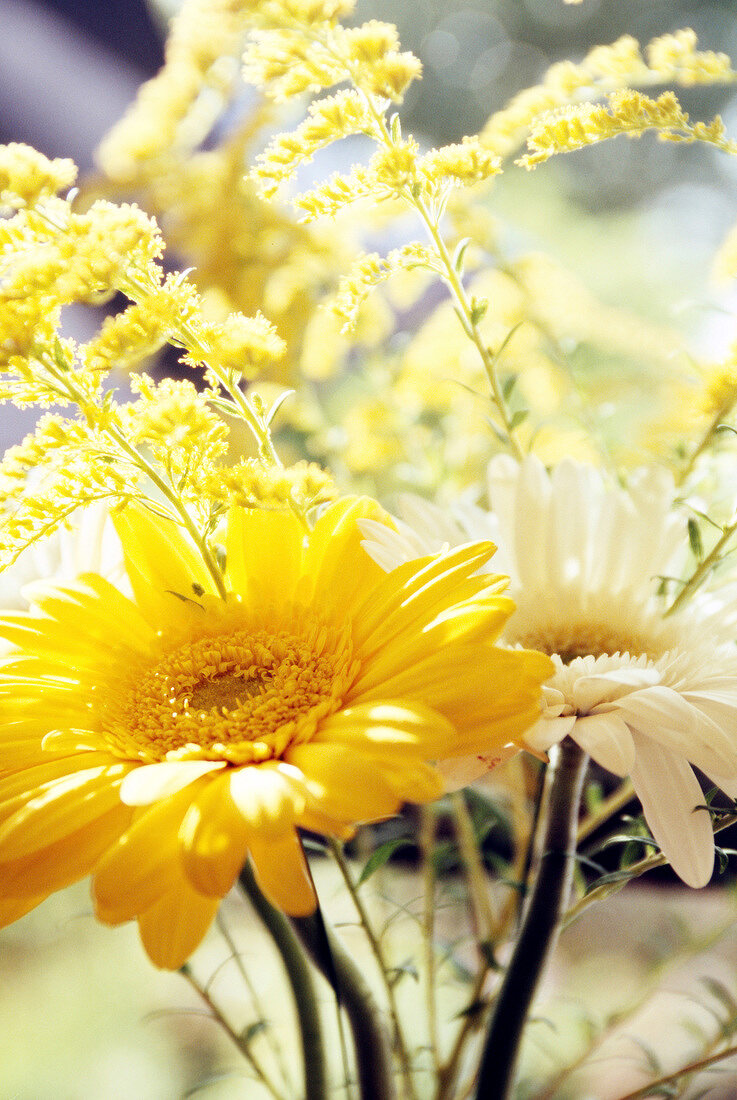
(157, 742)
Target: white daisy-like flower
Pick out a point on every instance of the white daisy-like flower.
(87, 543)
(644, 695)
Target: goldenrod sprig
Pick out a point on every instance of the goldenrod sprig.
(163, 446)
(626, 112)
(668, 59)
(396, 170)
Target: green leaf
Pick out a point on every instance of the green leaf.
(694, 539)
(277, 405)
(460, 254)
(720, 992)
(381, 856)
(508, 386)
(479, 307)
(517, 418)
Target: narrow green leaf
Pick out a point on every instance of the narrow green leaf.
(694, 539)
(381, 856)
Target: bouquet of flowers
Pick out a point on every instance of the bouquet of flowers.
(362, 569)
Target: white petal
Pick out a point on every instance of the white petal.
(606, 738)
(152, 782)
(604, 687)
(669, 792)
(459, 771)
(549, 731)
(663, 714)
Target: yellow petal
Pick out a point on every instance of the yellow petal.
(143, 863)
(263, 553)
(394, 728)
(65, 806)
(152, 782)
(266, 796)
(344, 783)
(282, 873)
(12, 909)
(339, 568)
(62, 862)
(214, 840)
(159, 562)
(418, 591)
(492, 696)
(175, 925)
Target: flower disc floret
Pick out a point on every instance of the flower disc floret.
(242, 697)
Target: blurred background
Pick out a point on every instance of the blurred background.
(83, 1016)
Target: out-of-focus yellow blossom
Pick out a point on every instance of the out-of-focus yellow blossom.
(252, 484)
(627, 112)
(670, 58)
(27, 176)
(179, 105)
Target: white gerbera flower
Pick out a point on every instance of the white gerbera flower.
(645, 695)
(87, 543)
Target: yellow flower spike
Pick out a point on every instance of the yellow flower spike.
(193, 733)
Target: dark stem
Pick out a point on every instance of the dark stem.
(555, 846)
(371, 1036)
(300, 979)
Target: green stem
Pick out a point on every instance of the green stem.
(370, 1035)
(378, 952)
(704, 442)
(555, 847)
(217, 1015)
(427, 835)
(450, 276)
(300, 979)
(700, 574)
(671, 1078)
(276, 1050)
(614, 802)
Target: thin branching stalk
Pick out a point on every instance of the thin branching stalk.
(129, 451)
(611, 805)
(555, 848)
(428, 830)
(300, 979)
(378, 952)
(276, 1050)
(655, 978)
(651, 1089)
(371, 1037)
(243, 1047)
(641, 867)
(478, 886)
(704, 443)
(472, 1020)
(703, 569)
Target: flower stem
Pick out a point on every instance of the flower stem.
(370, 1033)
(300, 979)
(377, 951)
(217, 1015)
(555, 847)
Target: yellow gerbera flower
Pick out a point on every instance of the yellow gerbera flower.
(158, 742)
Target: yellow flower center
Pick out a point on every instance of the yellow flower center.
(579, 639)
(242, 696)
